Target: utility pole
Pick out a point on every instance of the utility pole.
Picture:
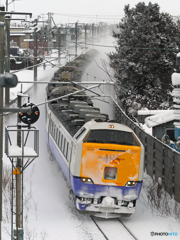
(7, 57)
(19, 214)
(59, 45)
(49, 31)
(65, 45)
(35, 55)
(2, 44)
(1, 106)
(85, 34)
(8, 4)
(43, 35)
(93, 33)
(76, 38)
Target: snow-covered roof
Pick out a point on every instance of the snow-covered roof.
(175, 77)
(177, 124)
(28, 31)
(151, 112)
(29, 40)
(17, 34)
(176, 92)
(158, 119)
(176, 106)
(176, 100)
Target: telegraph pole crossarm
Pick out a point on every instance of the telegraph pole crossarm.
(17, 13)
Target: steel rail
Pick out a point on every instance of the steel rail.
(99, 228)
(131, 235)
(127, 229)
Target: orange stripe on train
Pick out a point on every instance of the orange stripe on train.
(96, 157)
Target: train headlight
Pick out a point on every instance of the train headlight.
(87, 180)
(130, 184)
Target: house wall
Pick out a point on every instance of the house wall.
(160, 131)
(19, 40)
(161, 161)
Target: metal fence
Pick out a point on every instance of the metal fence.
(161, 161)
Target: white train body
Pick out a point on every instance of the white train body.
(98, 197)
(102, 161)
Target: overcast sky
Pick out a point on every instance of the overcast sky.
(85, 10)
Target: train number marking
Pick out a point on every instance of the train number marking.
(109, 158)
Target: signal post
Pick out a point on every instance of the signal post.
(21, 159)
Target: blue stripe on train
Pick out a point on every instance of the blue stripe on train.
(97, 191)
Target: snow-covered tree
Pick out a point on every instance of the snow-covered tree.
(145, 56)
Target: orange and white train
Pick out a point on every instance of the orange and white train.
(102, 160)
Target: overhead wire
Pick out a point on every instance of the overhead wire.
(110, 17)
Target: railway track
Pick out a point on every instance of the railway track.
(113, 229)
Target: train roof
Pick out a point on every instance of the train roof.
(107, 125)
(63, 116)
(74, 111)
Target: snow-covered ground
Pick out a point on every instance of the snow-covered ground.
(49, 213)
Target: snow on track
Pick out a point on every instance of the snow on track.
(113, 229)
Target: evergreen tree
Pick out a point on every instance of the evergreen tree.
(145, 56)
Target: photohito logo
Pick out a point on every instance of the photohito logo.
(159, 234)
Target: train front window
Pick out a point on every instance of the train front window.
(112, 136)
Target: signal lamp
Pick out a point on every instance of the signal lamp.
(31, 116)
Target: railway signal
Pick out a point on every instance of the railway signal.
(31, 116)
(21, 153)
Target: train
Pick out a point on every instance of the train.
(101, 159)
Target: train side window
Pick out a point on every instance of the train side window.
(59, 143)
(57, 136)
(62, 142)
(52, 128)
(67, 151)
(64, 146)
(54, 133)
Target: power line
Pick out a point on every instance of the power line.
(116, 17)
(138, 48)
